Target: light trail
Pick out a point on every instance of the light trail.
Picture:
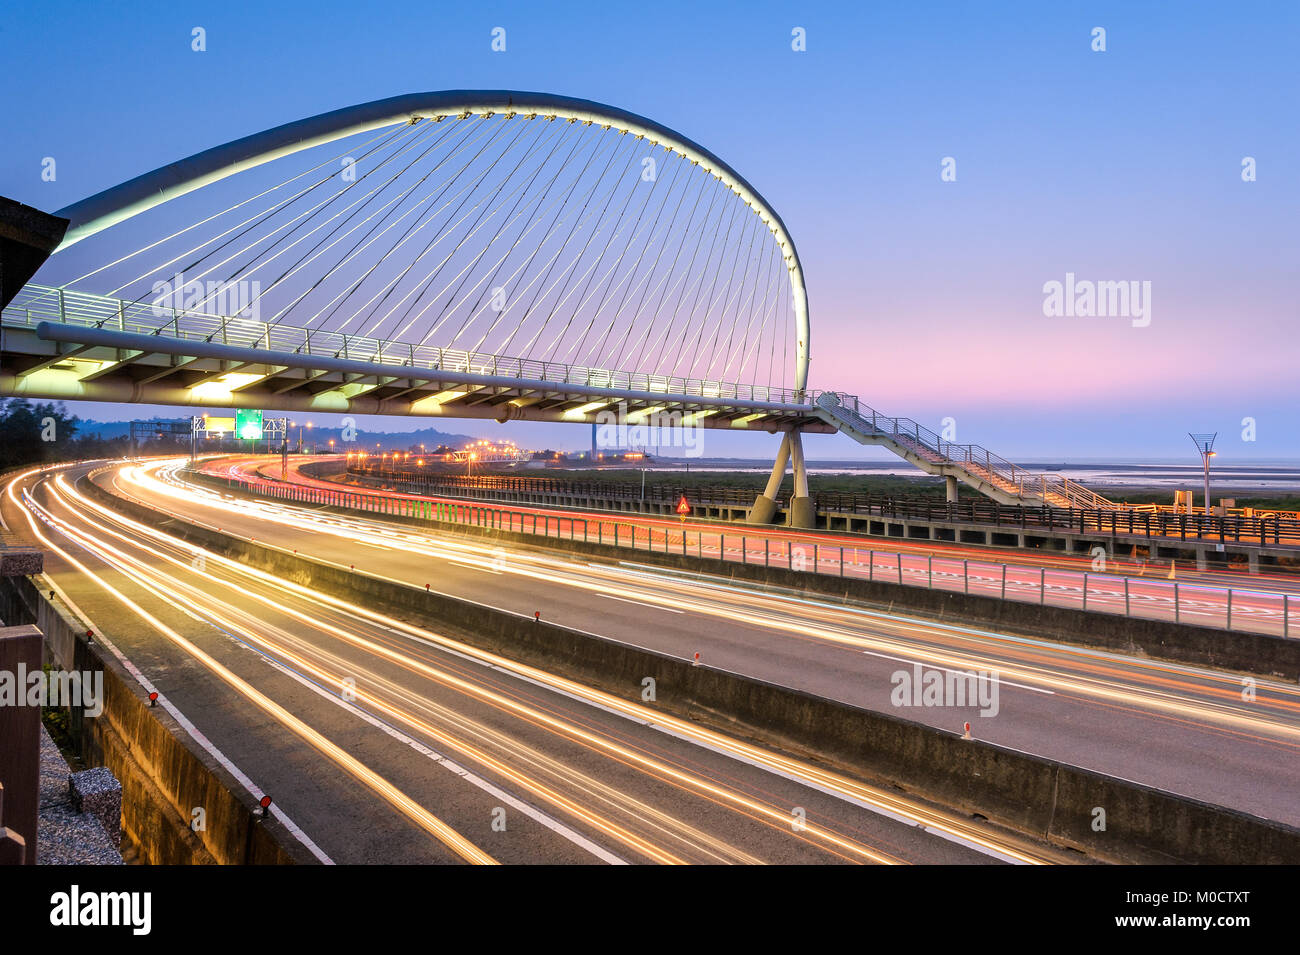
(144, 573)
(336, 679)
(1167, 694)
(1069, 583)
(826, 781)
(255, 468)
(766, 812)
(416, 813)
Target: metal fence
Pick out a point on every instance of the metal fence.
(1164, 525)
(505, 485)
(1128, 595)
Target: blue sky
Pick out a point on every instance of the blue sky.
(926, 296)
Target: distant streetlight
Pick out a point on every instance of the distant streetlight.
(1205, 447)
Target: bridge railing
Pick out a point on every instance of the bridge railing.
(37, 303)
(1052, 489)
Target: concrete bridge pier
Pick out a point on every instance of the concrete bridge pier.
(802, 512)
(764, 508)
(950, 488)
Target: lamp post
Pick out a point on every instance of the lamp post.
(1205, 447)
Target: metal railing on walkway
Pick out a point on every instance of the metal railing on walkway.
(39, 303)
(976, 460)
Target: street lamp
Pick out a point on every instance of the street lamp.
(1205, 447)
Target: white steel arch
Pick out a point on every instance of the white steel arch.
(96, 213)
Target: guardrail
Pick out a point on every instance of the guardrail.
(652, 493)
(1227, 608)
(1114, 522)
(1155, 524)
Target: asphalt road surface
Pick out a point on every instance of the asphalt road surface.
(385, 742)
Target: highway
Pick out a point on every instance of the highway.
(381, 741)
(1267, 604)
(1198, 732)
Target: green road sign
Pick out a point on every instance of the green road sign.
(248, 423)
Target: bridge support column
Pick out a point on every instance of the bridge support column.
(764, 508)
(802, 513)
(950, 488)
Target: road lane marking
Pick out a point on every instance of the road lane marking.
(640, 603)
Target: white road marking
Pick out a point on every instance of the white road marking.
(640, 603)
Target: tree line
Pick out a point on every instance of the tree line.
(43, 433)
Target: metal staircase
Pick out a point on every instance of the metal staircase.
(973, 465)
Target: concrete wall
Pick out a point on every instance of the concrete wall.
(1036, 796)
(164, 774)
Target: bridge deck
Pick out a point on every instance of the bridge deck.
(75, 346)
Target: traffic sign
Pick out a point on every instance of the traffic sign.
(248, 423)
(683, 507)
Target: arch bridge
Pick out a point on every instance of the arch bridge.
(480, 254)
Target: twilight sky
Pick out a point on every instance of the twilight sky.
(926, 296)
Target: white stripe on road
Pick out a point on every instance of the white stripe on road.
(188, 726)
(640, 603)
